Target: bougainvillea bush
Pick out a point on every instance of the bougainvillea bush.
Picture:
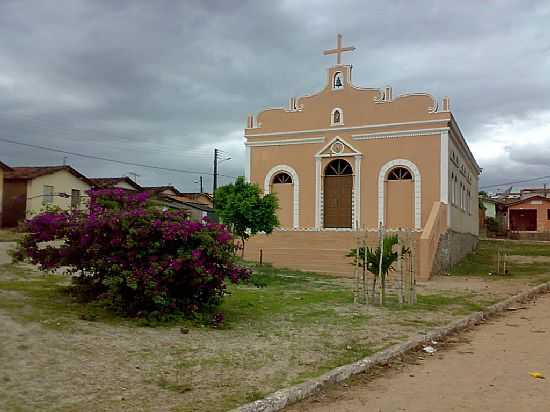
(142, 259)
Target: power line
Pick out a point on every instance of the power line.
(59, 130)
(517, 182)
(106, 159)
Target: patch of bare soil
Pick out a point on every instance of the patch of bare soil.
(497, 287)
(528, 259)
(5, 247)
(485, 369)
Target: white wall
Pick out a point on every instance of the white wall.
(62, 182)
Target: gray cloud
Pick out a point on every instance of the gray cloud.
(165, 82)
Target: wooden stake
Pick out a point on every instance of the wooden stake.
(356, 272)
(380, 275)
(365, 292)
(261, 256)
(400, 267)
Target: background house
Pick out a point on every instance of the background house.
(25, 191)
(3, 168)
(29, 190)
(529, 217)
(123, 182)
(197, 211)
(162, 190)
(540, 191)
(201, 198)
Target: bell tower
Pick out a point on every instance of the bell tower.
(339, 74)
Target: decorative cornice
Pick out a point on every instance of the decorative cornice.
(404, 133)
(365, 126)
(305, 140)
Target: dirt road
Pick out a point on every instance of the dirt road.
(485, 369)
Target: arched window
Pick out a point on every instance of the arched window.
(399, 173)
(336, 117)
(338, 167)
(282, 178)
(455, 188)
(338, 80)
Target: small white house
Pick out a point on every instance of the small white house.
(30, 190)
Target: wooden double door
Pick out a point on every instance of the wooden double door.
(337, 203)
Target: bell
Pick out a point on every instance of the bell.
(338, 82)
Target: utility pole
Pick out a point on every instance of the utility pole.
(200, 183)
(215, 185)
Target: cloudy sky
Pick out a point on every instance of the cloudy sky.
(165, 82)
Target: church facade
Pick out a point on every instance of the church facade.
(350, 158)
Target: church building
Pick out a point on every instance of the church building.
(351, 158)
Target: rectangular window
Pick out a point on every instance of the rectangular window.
(548, 214)
(75, 198)
(47, 195)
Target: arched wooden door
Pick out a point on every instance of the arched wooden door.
(399, 198)
(283, 187)
(337, 198)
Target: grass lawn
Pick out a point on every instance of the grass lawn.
(531, 259)
(282, 328)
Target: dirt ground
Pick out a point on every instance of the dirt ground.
(4, 248)
(52, 359)
(452, 379)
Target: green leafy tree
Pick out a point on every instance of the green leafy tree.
(243, 207)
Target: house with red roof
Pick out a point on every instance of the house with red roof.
(529, 217)
(30, 190)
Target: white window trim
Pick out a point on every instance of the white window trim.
(296, 190)
(444, 167)
(341, 117)
(319, 195)
(247, 165)
(48, 198)
(417, 189)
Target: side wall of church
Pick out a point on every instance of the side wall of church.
(463, 191)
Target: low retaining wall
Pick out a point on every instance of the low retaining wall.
(314, 251)
(453, 247)
(285, 397)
